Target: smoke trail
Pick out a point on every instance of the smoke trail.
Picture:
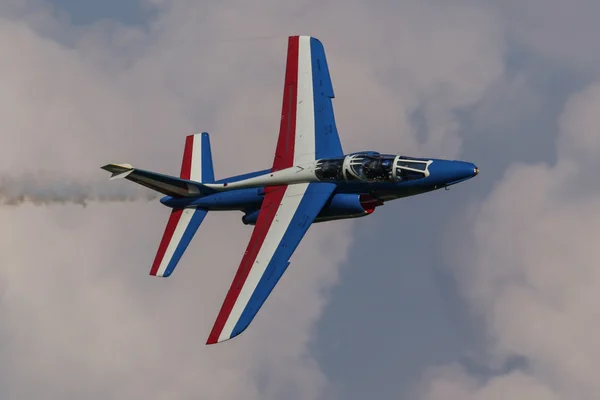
(46, 189)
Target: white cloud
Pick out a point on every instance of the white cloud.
(80, 316)
(453, 383)
(530, 270)
(533, 278)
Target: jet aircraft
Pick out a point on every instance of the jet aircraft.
(311, 180)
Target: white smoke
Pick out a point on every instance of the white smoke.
(47, 188)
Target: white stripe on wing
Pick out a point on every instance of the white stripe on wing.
(184, 221)
(304, 145)
(290, 203)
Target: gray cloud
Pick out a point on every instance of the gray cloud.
(562, 33)
(533, 278)
(529, 271)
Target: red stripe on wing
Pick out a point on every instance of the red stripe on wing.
(186, 163)
(273, 198)
(166, 239)
(284, 153)
(284, 158)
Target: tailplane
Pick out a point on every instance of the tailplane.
(165, 184)
(196, 168)
(181, 228)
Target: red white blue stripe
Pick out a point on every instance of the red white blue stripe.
(287, 211)
(183, 223)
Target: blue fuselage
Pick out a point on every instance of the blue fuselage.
(442, 173)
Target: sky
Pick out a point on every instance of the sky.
(486, 291)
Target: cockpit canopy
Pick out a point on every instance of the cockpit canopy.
(372, 167)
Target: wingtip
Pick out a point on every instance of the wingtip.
(154, 271)
(202, 134)
(118, 171)
(215, 340)
(213, 337)
(298, 36)
(166, 275)
(112, 166)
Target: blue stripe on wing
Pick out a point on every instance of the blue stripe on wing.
(327, 140)
(187, 237)
(311, 204)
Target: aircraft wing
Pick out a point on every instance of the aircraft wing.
(286, 214)
(308, 131)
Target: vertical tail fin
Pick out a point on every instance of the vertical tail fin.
(183, 223)
(197, 162)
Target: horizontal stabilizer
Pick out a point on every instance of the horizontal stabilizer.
(181, 227)
(166, 184)
(119, 171)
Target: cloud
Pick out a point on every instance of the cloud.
(453, 383)
(529, 273)
(562, 33)
(533, 276)
(80, 315)
(581, 139)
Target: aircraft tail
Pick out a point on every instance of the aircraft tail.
(197, 162)
(196, 169)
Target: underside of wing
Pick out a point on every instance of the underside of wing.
(308, 130)
(285, 216)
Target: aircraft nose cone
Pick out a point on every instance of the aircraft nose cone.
(464, 170)
(446, 173)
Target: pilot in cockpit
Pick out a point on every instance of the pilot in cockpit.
(377, 169)
(387, 168)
